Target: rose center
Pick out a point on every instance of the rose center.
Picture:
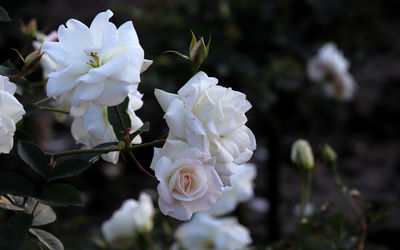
(94, 60)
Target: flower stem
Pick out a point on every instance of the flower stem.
(306, 194)
(42, 100)
(104, 150)
(343, 189)
(53, 110)
(84, 151)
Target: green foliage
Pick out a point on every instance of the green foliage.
(4, 15)
(46, 239)
(60, 195)
(118, 114)
(15, 184)
(14, 231)
(69, 168)
(34, 156)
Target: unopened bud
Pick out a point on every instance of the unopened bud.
(329, 154)
(30, 28)
(33, 58)
(302, 154)
(198, 50)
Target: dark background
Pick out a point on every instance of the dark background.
(259, 48)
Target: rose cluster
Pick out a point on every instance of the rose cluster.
(90, 69)
(207, 139)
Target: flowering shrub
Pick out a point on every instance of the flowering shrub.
(201, 166)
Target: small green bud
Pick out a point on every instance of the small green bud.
(302, 155)
(198, 50)
(31, 61)
(329, 154)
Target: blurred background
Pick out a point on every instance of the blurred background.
(261, 49)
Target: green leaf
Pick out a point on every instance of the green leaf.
(7, 204)
(69, 167)
(34, 156)
(4, 15)
(14, 231)
(8, 70)
(61, 195)
(144, 128)
(30, 109)
(13, 183)
(47, 239)
(42, 214)
(114, 119)
(178, 53)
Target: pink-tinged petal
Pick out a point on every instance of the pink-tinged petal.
(146, 64)
(97, 27)
(196, 134)
(164, 98)
(175, 118)
(80, 109)
(177, 210)
(75, 37)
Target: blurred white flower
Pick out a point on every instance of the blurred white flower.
(94, 128)
(211, 118)
(47, 64)
(308, 210)
(204, 232)
(331, 68)
(240, 191)
(188, 182)
(133, 217)
(99, 64)
(11, 112)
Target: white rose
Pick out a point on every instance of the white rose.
(188, 182)
(133, 217)
(240, 191)
(94, 128)
(11, 112)
(99, 64)
(330, 67)
(211, 118)
(204, 232)
(47, 64)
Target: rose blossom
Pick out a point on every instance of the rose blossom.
(330, 67)
(188, 182)
(94, 128)
(211, 118)
(204, 232)
(11, 112)
(99, 64)
(133, 217)
(240, 191)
